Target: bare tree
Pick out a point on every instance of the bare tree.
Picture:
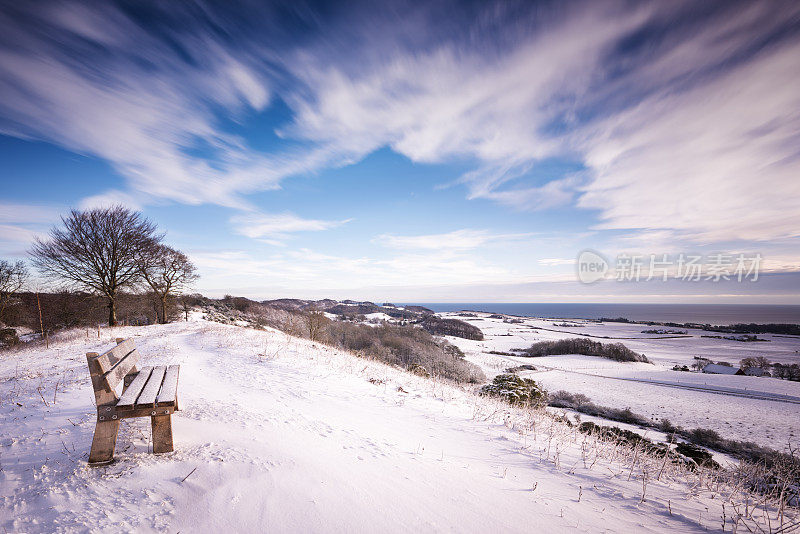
(97, 250)
(763, 363)
(187, 301)
(316, 321)
(166, 271)
(185, 307)
(759, 362)
(746, 363)
(12, 278)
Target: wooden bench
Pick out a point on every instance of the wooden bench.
(149, 392)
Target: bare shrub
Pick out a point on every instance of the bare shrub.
(12, 278)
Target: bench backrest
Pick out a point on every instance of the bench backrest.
(108, 369)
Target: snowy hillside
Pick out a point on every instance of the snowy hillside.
(278, 434)
(747, 408)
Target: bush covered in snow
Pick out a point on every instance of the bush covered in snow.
(518, 368)
(581, 403)
(744, 450)
(700, 456)
(685, 453)
(419, 370)
(622, 435)
(405, 346)
(515, 389)
(577, 345)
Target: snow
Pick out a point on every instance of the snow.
(279, 434)
(715, 369)
(378, 316)
(746, 408)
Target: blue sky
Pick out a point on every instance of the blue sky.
(428, 151)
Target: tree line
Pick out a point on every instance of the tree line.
(103, 253)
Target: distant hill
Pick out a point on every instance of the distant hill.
(350, 308)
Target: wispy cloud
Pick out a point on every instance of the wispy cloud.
(716, 163)
(111, 197)
(685, 118)
(684, 115)
(27, 213)
(20, 224)
(553, 194)
(557, 261)
(434, 277)
(307, 268)
(488, 104)
(17, 234)
(465, 239)
(279, 226)
(97, 81)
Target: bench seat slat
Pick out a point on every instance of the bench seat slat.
(112, 356)
(128, 398)
(169, 388)
(151, 389)
(121, 368)
(111, 367)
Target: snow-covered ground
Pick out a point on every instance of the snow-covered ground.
(763, 410)
(277, 434)
(380, 316)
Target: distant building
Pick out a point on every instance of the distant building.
(755, 371)
(717, 369)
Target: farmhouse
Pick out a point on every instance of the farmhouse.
(755, 371)
(717, 369)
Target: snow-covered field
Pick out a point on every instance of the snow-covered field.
(763, 410)
(277, 434)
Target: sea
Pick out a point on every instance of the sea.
(713, 314)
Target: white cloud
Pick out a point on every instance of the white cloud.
(440, 277)
(27, 213)
(550, 195)
(278, 226)
(141, 106)
(17, 235)
(455, 102)
(305, 268)
(557, 261)
(465, 239)
(693, 136)
(20, 224)
(110, 198)
(716, 163)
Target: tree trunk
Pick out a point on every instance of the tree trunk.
(164, 309)
(112, 312)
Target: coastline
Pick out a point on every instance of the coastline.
(702, 314)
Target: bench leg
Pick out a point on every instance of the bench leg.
(103, 443)
(162, 433)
